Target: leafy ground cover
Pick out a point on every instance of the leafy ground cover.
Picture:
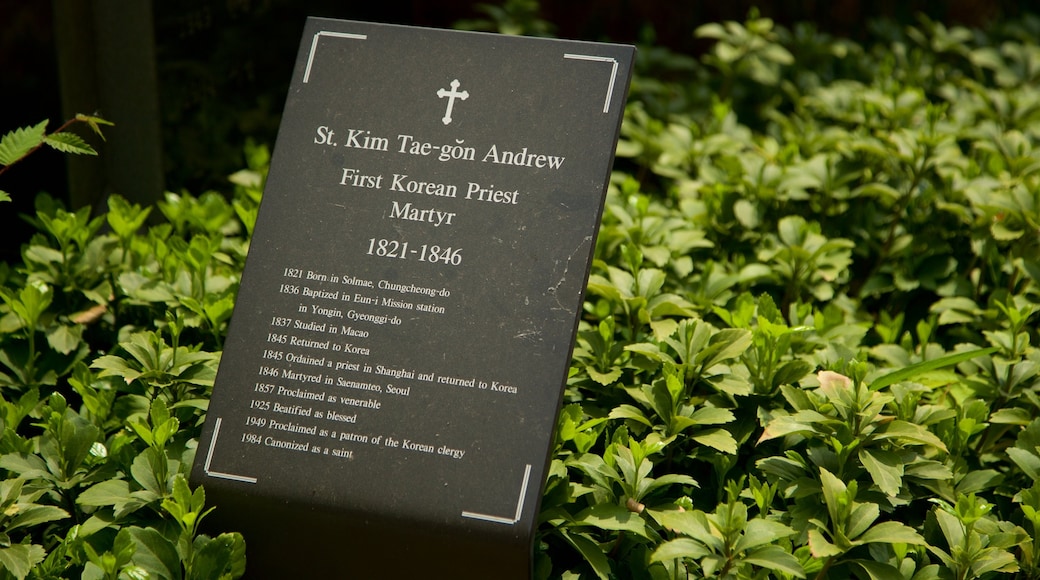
(808, 348)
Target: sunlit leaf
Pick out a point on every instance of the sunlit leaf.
(67, 142)
(19, 142)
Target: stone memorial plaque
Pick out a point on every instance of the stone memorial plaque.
(388, 393)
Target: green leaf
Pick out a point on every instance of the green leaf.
(155, 553)
(112, 365)
(18, 143)
(124, 217)
(724, 345)
(164, 431)
(650, 351)
(218, 556)
(108, 492)
(65, 338)
(649, 281)
(26, 465)
(143, 473)
(891, 533)
(885, 468)
(951, 527)
(927, 469)
(678, 549)
(712, 416)
(909, 372)
(123, 548)
(626, 411)
(606, 379)
(592, 553)
(994, 560)
(877, 570)
(929, 572)
(4, 196)
(861, 518)
(666, 480)
(18, 559)
(711, 30)
(219, 311)
(1002, 233)
(94, 123)
(791, 372)
(1011, 416)
(180, 505)
(77, 437)
(777, 54)
(159, 413)
(910, 433)
(835, 495)
(35, 514)
(1027, 461)
(719, 439)
(979, 480)
(800, 422)
(690, 523)
(881, 190)
(760, 531)
(591, 465)
(820, 547)
(43, 255)
(775, 558)
(67, 142)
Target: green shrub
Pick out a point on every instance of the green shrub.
(109, 343)
(808, 347)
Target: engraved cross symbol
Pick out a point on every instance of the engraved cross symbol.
(452, 95)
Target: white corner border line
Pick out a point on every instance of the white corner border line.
(209, 459)
(314, 46)
(613, 72)
(519, 504)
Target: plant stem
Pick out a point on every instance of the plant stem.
(66, 125)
